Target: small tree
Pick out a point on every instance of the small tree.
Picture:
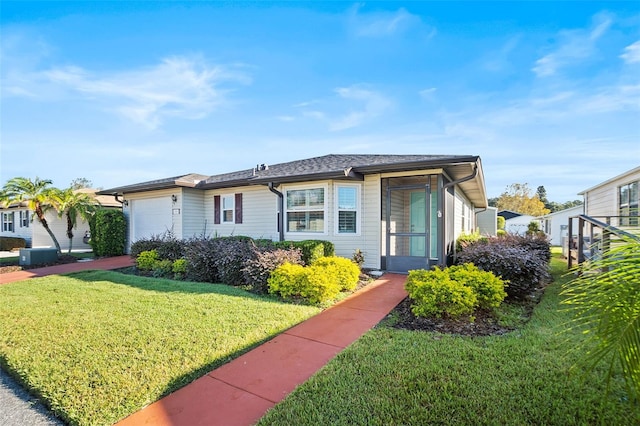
(38, 194)
(518, 198)
(73, 204)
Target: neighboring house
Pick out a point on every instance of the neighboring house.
(487, 221)
(403, 211)
(18, 221)
(618, 196)
(516, 223)
(556, 224)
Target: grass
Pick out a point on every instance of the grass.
(98, 345)
(392, 377)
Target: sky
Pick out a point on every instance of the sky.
(117, 92)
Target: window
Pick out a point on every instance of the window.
(227, 208)
(628, 203)
(305, 210)
(347, 209)
(7, 222)
(24, 218)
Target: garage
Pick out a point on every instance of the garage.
(150, 216)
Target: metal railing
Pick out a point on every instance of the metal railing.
(595, 236)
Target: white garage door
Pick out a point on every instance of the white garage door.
(149, 217)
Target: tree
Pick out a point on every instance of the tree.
(73, 204)
(605, 299)
(81, 183)
(518, 198)
(37, 194)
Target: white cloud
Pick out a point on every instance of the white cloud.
(631, 53)
(187, 88)
(574, 46)
(382, 23)
(428, 93)
(373, 104)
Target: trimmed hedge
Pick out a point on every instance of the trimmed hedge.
(256, 271)
(453, 291)
(340, 269)
(310, 283)
(167, 246)
(312, 250)
(108, 232)
(11, 243)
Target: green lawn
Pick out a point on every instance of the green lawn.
(395, 377)
(99, 345)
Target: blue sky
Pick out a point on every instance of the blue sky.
(547, 93)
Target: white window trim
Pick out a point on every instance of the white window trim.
(358, 209)
(233, 209)
(325, 231)
(9, 218)
(24, 218)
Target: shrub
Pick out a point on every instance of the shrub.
(342, 270)
(163, 268)
(179, 267)
(167, 246)
(200, 254)
(309, 283)
(513, 260)
(11, 243)
(434, 293)
(147, 260)
(256, 271)
(231, 254)
(488, 288)
(312, 250)
(465, 240)
(501, 222)
(108, 232)
(358, 257)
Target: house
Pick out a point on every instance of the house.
(403, 211)
(516, 223)
(18, 221)
(487, 221)
(615, 200)
(555, 224)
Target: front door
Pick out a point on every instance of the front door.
(407, 216)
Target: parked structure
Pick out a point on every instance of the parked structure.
(556, 224)
(403, 211)
(516, 223)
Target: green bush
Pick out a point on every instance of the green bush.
(163, 268)
(167, 246)
(312, 250)
(179, 266)
(108, 232)
(488, 288)
(465, 240)
(310, 283)
(435, 293)
(147, 260)
(340, 269)
(11, 243)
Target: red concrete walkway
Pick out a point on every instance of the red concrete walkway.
(106, 263)
(240, 392)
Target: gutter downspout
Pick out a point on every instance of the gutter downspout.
(272, 188)
(444, 205)
(116, 195)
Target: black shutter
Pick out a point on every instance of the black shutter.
(216, 209)
(238, 204)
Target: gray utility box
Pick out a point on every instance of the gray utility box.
(36, 256)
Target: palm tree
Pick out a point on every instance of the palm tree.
(37, 194)
(605, 298)
(73, 204)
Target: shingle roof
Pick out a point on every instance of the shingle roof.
(332, 166)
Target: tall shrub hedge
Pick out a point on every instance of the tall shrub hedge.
(108, 232)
